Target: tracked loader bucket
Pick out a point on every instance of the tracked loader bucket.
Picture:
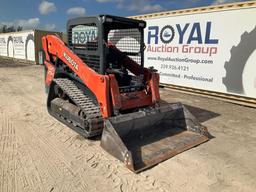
(146, 138)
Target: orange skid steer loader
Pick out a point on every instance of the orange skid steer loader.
(97, 84)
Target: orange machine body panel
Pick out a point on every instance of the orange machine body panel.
(104, 87)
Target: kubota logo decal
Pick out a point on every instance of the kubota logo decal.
(70, 60)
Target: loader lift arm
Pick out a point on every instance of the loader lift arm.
(57, 49)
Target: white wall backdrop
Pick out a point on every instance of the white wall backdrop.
(214, 51)
(18, 45)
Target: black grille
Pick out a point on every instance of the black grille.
(83, 39)
(93, 61)
(84, 36)
(127, 41)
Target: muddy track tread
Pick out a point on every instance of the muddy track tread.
(84, 102)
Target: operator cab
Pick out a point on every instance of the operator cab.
(104, 42)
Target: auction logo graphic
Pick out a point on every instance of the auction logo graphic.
(192, 38)
(235, 67)
(17, 42)
(167, 34)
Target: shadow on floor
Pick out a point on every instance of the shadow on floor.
(202, 114)
(8, 64)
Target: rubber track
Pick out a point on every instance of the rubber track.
(85, 103)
